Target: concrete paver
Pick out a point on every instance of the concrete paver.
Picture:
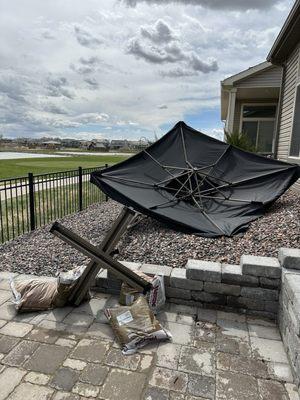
(72, 354)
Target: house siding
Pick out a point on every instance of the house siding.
(290, 80)
(269, 78)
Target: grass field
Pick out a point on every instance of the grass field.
(21, 167)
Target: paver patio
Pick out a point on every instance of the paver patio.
(71, 354)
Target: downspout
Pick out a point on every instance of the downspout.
(278, 121)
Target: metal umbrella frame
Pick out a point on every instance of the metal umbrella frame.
(178, 169)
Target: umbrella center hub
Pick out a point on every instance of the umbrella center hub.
(191, 185)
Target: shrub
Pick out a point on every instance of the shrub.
(240, 140)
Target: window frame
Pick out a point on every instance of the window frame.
(242, 119)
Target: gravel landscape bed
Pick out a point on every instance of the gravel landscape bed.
(151, 242)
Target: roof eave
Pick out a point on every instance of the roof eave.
(287, 38)
(231, 80)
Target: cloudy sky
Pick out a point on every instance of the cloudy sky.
(125, 68)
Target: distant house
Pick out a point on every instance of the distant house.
(51, 144)
(99, 145)
(138, 144)
(249, 104)
(285, 53)
(70, 143)
(117, 144)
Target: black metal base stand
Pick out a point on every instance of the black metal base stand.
(101, 256)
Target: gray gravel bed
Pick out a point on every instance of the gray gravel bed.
(151, 242)
(41, 253)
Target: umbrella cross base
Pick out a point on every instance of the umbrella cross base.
(101, 256)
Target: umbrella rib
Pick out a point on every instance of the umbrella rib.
(198, 188)
(182, 186)
(161, 165)
(241, 181)
(213, 222)
(213, 166)
(185, 157)
(117, 178)
(169, 179)
(183, 146)
(228, 199)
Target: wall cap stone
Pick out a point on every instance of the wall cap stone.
(260, 266)
(289, 258)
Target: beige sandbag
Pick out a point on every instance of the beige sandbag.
(34, 294)
(135, 325)
(37, 294)
(156, 296)
(128, 295)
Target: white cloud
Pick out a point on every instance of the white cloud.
(86, 38)
(214, 4)
(163, 47)
(124, 71)
(159, 33)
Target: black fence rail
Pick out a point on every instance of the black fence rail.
(32, 201)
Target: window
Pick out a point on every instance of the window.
(295, 140)
(258, 123)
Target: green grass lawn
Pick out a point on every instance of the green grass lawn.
(21, 166)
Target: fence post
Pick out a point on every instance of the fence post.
(80, 188)
(31, 200)
(106, 197)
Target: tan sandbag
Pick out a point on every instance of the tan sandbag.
(135, 325)
(66, 283)
(128, 295)
(40, 294)
(156, 296)
(34, 294)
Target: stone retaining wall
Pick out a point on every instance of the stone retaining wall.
(289, 310)
(251, 287)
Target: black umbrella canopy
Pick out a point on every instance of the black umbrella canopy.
(197, 184)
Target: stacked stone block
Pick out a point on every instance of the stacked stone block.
(289, 310)
(250, 287)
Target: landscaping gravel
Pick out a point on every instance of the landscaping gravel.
(151, 242)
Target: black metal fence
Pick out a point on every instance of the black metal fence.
(32, 201)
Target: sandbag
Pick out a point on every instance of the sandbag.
(40, 293)
(34, 294)
(128, 295)
(156, 296)
(135, 326)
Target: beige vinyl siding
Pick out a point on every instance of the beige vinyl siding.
(288, 102)
(268, 78)
(287, 107)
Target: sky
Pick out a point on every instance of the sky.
(125, 69)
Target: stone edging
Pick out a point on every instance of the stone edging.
(251, 287)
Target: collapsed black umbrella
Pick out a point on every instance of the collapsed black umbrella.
(196, 183)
